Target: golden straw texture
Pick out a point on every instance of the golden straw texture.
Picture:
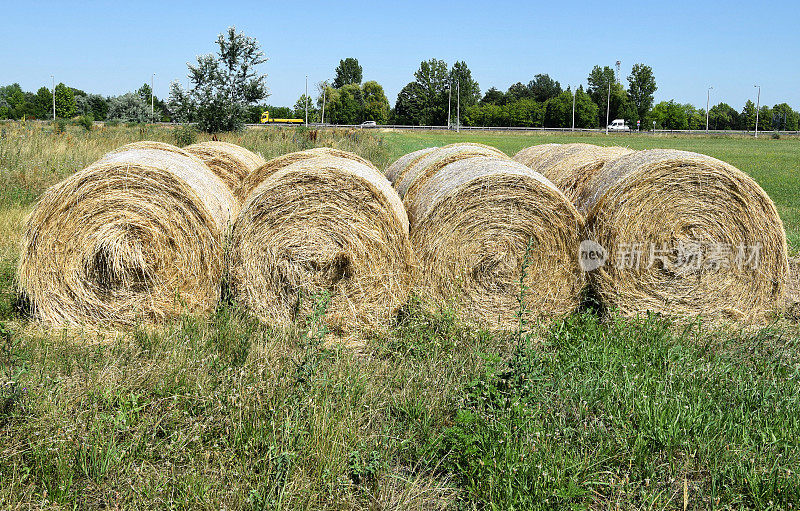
(477, 223)
(230, 162)
(322, 225)
(264, 171)
(401, 164)
(136, 236)
(685, 234)
(570, 166)
(530, 156)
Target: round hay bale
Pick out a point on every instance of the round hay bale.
(793, 290)
(570, 166)
(230, 162)
(148, 144)
(136, 236)
(322, 225)
(417, 173)
(685, 234)
(530, 156)
(399, 165)
(267, 169)
(482, 223)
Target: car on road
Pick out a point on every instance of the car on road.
(618, 125)
(369, 124)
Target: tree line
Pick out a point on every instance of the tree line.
(225, 91)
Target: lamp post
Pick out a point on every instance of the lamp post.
(449, 94)
(573, 110)
(324, 90)
(758, 105)
(152, 101)
(458, 106)
(305, 100)
(708, 98)
(54, 97)
(608, 106)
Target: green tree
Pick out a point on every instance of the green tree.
(558, 111)
(695, 118)
(747, 119)
(432, 78)
(65, 102)
(542, 88)
(376, 106)
(494, 97)
(43, 103)
(92, 104)
(463, 85)
(785, 117)
(723, 117)
(346, 105)
(764, 118)
(586, 110)
(599, 81)
(126, 108)
(641, 86)
(299, 111)
(518, 91)
(224, 84)
(410, 104)
(348, 71)
(670, 115)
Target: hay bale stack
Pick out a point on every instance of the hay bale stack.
(696, 224)
(570, 166)
(136, 236)
(473, 222)
(322, 225)
(413, 178)
(230, 162)
(255, 178)
(530, 156)
(399, 165)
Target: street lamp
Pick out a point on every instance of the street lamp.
(708, 98)
(54, 97)
(458, 106)
(449, 94)
(758, 104)
(306, 100)
(152, 92)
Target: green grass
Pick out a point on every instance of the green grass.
(586, 412)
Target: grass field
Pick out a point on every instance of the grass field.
(584, 412)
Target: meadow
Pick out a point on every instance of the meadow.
(590, 411)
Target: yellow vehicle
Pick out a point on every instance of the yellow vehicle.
(265, 119)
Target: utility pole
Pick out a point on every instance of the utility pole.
(324, 90)
(608, 106)
(458, 106)
(306, 100)
(573, 110)
(152, 93)
(708, 98)
(54, 97)
(758, 104)
(449, 94)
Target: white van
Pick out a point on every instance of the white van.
(618, 125)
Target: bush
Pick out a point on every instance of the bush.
(185, 134)
(86, 122)
(60, 126)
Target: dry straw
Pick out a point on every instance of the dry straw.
(481, 224)
(230, 162)
(323, 225)
(274, 165)
(401, 164)
(705, 222)
(136, 236)
(570, 166)
(416, 174)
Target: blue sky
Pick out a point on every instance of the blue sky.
(112, 48)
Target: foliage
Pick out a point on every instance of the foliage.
(184, 134)
(376, 106)
(670, 115)
(347, 72)
(600, 80)
(723, 117)
(641, 86)
(558, 110)
(94, 105)
(300, 109)
(494, 96)
(542, 88)
(785, 118)
(128, 108)
(409, 105)
(65, 101)
(86, 121)
(223, 84)
(463, 85)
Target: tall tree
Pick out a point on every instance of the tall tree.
(65, 102)
(599, 81)
(670, 115)
(348, 71)
(432, 78)
(226, 83)
(461, 80)
(543, 87)
(376, 106)
(518, 91)
(641, 86)
(410, 104)
(723, 117)
(494, 97)
(747, 119)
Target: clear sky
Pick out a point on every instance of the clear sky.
(112, 48)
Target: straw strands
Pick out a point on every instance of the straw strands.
(322, 225)
(401, 164)
(264, 171)
(530, 156)
(482, 224)
(570, 166)
(136, 236)
(685, 234)
(230, 162)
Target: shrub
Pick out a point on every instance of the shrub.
(86, 122)
(185, 134)
(60, 126)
